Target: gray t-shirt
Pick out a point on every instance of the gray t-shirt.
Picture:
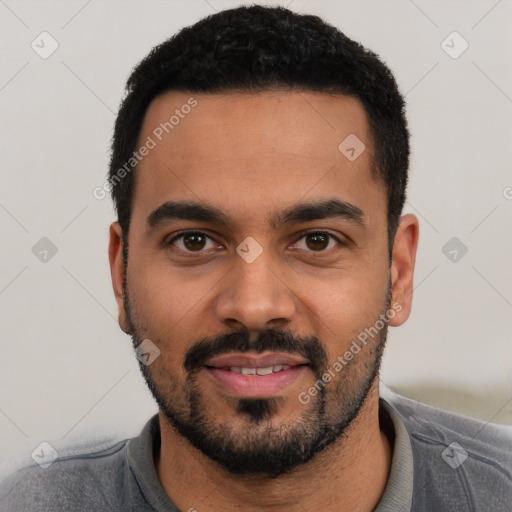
(441, 462)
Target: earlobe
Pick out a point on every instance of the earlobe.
(402, 267)
(115, 255)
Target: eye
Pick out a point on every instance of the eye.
(317, 241)
(192, 241)
(198, 242)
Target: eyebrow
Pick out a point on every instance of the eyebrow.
(306, 212)
(302, 212)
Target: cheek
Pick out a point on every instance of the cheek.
(350, 293)
(340, 310)
(162, 295)
(170, 307)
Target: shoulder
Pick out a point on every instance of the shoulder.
(432, 427)
(457, 460)
(95, 477)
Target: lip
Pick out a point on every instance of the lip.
(255, 386)
(248, 360)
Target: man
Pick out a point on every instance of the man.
(259, 167)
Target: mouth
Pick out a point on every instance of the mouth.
(255, 375)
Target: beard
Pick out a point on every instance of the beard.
(252, 443)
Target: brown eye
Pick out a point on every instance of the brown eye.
(192, 241)
(317, 241)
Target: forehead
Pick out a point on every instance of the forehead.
(255, 150)
(250, 120)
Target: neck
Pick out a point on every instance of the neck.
(351, 474)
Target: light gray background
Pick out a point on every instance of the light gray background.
(68, 374)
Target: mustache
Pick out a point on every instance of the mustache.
(276, 340)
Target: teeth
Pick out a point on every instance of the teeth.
(260, 371)
(264, 371)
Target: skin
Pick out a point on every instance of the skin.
(252, 155)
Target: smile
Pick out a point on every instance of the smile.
(255, 375)
(258, 371)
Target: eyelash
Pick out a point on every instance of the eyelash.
(192, 254)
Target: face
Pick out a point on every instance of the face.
(257, 261)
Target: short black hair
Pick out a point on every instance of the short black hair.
(253, 49)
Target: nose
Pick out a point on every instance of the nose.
(254, 295)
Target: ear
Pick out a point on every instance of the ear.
(115, 256)
(402, 268)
